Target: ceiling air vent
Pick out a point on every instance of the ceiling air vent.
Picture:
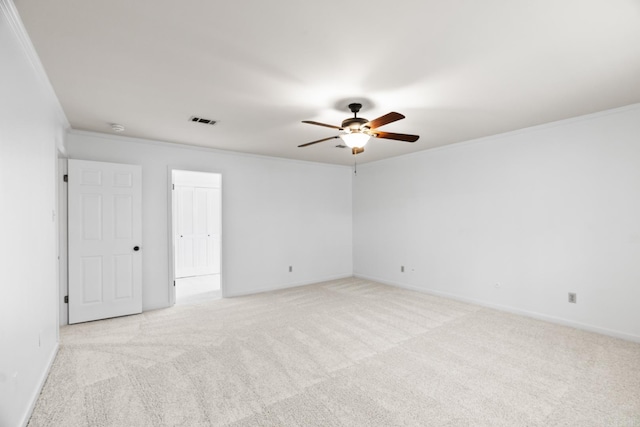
(201, 120)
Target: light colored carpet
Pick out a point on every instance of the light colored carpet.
(197, 288)
(342, 353)
(200, 298)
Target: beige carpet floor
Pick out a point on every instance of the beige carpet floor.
(342, 353)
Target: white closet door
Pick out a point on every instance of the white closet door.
(105, 230)
(197, 230)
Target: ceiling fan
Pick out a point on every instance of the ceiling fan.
(358, 130)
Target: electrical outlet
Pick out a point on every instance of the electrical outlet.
(572, 298)
(290, 268)
(402, 269)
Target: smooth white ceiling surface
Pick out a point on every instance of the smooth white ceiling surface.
(458, 69)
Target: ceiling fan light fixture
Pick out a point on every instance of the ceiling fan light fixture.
(355, 139)
(358, 130)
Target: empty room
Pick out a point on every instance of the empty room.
(319, 214)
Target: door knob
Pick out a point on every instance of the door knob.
(136, 248)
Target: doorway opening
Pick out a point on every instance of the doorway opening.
(196, 233)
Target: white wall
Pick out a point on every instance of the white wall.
(275, 213)
(32, 125)
(541, 212)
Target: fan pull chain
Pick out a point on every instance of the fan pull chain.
(355, 165)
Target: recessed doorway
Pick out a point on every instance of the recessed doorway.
(196, 234)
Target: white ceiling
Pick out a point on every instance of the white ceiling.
(456, 69)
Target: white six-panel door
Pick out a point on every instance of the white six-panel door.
(105, 259)
(197, 224)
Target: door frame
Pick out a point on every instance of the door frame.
(171, 235)
(63, 247)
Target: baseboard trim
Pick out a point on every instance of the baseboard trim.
(509, 309)
(36, 393)
(288, 285)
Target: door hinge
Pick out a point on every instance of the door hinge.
(173, 186)
(174, 283)
(65, 178)
(66, 299)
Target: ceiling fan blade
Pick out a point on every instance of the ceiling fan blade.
(357, 150)
(384, 120)
(397, 136)
(320, 140)
(311, 122)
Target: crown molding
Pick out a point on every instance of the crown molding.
(498, 136)
(176, 145)
(9, 11)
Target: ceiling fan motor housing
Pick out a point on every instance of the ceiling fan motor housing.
(354, 124)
